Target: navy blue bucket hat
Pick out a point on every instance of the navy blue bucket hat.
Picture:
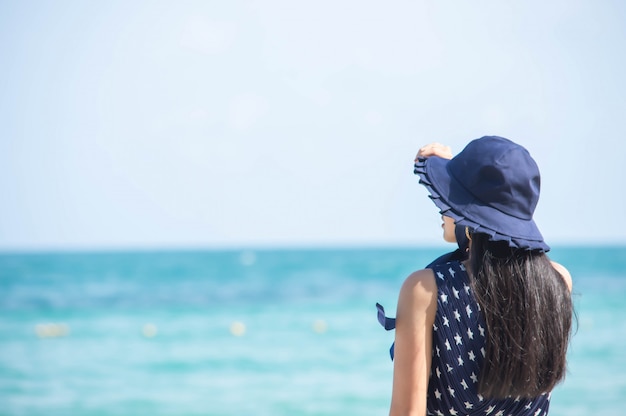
(492, 187)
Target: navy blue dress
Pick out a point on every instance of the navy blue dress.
(458, 352)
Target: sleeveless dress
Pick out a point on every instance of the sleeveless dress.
(458, 352)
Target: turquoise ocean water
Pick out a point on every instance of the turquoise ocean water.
(263, 332)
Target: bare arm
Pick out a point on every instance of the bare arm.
(417, 306)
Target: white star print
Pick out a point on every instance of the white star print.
(437, 394)
(470, 334)
(500, 413)
(437, 349)
(464, 384)
(462, 266)
(529, 405)
(456, 293)
(482, 330)
(445, 321)
(439, 413)
(472, 357)
(490, 409)
(450, 368)
(444, 298)
(435, 327)
(474, 379)
(538, 412)
(480, 398)
(448, 345)
(458, 339)
(452, 272)
(451, 390)
(482, 351)
(453, 412)
(468, 310)
(440, 275)
(457, 315)
(438, 372)
(460, 360)
(468, 405)
(467, 288)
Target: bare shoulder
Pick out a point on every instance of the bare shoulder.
(419, 289)
(564, 273)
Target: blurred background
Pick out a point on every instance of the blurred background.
(201, 202)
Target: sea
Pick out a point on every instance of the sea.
(252, 331)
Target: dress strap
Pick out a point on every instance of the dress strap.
(387, 323)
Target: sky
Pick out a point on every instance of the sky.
(154, 124)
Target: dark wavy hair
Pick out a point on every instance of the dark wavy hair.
(528, 311)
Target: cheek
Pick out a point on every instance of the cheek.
(448, 232)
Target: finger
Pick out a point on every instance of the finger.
(434, 149)
(429, 149)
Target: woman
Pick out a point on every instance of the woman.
(487, 335)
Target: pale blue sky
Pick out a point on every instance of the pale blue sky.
(280, 123)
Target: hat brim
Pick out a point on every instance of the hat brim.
(454, 201)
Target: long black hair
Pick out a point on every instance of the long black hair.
(528, 311)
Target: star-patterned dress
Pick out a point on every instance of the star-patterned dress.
(458, 352)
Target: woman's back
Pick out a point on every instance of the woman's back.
(459, 344)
